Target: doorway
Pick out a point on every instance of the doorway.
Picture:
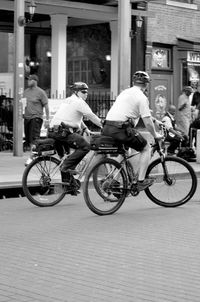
(161, 94)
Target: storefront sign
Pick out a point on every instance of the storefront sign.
(193, 56)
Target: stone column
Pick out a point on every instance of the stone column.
(114, 59)
(59, 55)
(124, 27)
(18, 79)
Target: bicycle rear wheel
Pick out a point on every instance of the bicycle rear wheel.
(175, 182)
(105, 187)
(41, 182)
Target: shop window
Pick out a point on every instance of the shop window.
(79, 70)
(191, 70)
(161, 58)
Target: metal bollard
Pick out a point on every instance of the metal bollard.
(198, 146)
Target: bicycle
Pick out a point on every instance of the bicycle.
(108, 182)
(41, 180)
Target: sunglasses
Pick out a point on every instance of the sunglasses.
(84, 91)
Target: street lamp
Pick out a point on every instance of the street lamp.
(22, 21)
(139, 22)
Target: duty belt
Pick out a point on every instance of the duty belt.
(61, 128)
(117, 124)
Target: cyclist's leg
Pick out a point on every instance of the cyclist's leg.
(144, 160)
(81, 146)
(137, 142)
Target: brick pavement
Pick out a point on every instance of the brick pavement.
(68, 254)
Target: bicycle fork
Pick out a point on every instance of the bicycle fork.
(166, 176)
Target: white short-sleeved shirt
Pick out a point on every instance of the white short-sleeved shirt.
(71, 112)
(131, 103)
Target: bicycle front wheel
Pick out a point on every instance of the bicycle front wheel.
(175, 182)
(105, 187)
(41, 182)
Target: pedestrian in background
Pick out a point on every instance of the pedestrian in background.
(195, 124)
(184, 110)
(175, 136)
(36, 102)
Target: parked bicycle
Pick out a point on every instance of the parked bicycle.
(41, 181)
(108, 182)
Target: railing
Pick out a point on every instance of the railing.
(6, 123)
(99, 103)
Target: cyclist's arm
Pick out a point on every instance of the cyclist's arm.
(83, 126)
(87, 112)
(148, 122)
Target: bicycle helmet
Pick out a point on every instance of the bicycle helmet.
(141, 77)
(77, 86)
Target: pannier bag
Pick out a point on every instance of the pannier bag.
(104, 144)
(44, 146)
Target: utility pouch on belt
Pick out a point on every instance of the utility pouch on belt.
(61, 130)
(129, 126)
(130, 131)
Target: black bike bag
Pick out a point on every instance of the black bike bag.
(44, 146)
(105, 144)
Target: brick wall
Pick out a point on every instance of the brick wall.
(170, 22)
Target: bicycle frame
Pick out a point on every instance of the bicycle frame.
(129, 169)
(87, 161)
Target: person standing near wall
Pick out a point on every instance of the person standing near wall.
(184, 110)
(36, 102)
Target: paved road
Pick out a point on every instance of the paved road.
(68, 254)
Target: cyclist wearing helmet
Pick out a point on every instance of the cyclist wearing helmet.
(131, 105)
(67, 125)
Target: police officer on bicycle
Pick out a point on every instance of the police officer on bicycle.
(130, 105)
(67, 126)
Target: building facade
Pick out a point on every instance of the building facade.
(172, 50)
(70, 41)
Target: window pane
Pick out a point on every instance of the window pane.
(78, 70)
(70, 78)
(84, 77)
(76, 65)
(70, 66)
(83, 65)
(77, 77)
